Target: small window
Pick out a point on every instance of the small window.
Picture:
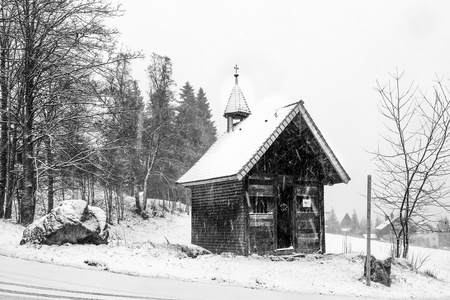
(261, 205)
(260, 197)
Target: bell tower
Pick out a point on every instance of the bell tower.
(237, 108)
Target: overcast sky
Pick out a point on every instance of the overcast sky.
(327, 53)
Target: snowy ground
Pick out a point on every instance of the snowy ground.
(140, 247)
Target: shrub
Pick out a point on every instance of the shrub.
(417, 260)
(430, 273)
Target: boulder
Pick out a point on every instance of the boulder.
(194, 251)
(380, 270)
(72, 221)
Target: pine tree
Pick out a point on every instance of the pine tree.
(208, 130)
(363, 225)
(332, 223)
(196, 129)
(187, 114)
(355, 223)
(188, 137)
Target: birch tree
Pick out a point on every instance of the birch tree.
(159, 124)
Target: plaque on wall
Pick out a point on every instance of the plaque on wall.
(306, 202)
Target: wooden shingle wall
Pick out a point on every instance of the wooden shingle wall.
(218, 218)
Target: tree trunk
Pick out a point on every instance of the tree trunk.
(144, 192)
(28, 202)
(19, 197)
(108, 203)
(4, 127)
(150, 163)
(397, 247)
(91, 192)
(12, 178)
(122, 203)
(50, 175)
(136, 198)
(5, 94)
(406, 242)
(117, 201)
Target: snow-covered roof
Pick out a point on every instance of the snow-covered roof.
(346, 222)
(387, 223)
(234, 153)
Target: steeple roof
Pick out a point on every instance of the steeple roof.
(237, 106)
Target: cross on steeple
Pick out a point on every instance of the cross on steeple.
(236, 75)
(236, 68)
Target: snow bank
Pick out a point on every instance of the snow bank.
(140, 247)
(437, 261)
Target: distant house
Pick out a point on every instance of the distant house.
(259, 188)
(425, 238)
(385, 231)
(346, 223)
(430, 236)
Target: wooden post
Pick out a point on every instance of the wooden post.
(369, 224)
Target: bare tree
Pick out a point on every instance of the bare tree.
(159, 127)
(58, 40)
(412, 168)
(5, 52)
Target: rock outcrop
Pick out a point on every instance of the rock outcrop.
(72, 221)
(380, 270)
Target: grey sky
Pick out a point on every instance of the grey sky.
(327, 53)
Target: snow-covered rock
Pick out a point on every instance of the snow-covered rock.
(72, 221)
(380, 270)
(193, 251)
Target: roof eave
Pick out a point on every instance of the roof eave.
(210, 180)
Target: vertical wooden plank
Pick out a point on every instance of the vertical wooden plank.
(246, 218)
(322, 217)
(369, 224)
(294, 216)
(275, 211)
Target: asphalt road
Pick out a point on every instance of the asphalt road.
(23, 279)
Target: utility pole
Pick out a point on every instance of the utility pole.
(369, 224)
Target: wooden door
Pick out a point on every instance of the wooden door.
(307, 219)
(284, 216)
(261, 209)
